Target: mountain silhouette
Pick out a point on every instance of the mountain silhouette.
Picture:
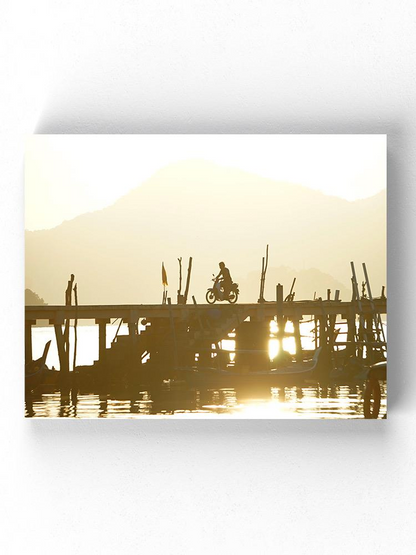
(33, 299)
(212, 213)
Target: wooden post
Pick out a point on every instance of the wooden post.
(331, 324)
(201, 325)
(264, 264)
(60, 342)
(102, 338)
(280, 316)
(75, 327)
(132, 329)
(351, 333)
(261, 298)
(179, 299)
(320, 328)
(291, 295)
(298, 340)
(370, 339)
(252, 345)
(28, 340)
(172, 327)
(68, 302)
(188, 279)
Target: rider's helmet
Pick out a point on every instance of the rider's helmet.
(222, 265)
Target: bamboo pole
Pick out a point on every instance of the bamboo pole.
(179, 296)
(264, 264)
(188, 280)
(261, 299)
(172, 327)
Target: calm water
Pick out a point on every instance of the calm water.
(178, 401)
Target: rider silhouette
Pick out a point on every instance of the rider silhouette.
(226, 281)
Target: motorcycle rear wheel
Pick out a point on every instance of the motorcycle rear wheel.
(210, 297)
(233, 297)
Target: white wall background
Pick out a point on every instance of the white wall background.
(133, 66)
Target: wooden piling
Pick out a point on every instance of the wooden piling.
(180, 297)
(370, 339)
(75, 326)
(298, 340)
(132, 329)
(280, 316)
(321, 335)
(102, 338)
(188, 280)
(173, 331)
(351, 334)
(252, 346)
(62, 352)
(28, 340)
(68, 302)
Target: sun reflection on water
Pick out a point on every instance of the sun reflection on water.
(275, 402)
(180, 401)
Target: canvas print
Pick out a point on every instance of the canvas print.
(205, 276)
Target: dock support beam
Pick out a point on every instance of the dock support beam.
(322, 335)
(351, 334)
(280, 316)
(102, 338)
(252, 345)
(298, 341)
(62, 352)
(28, 340)
(370, 339)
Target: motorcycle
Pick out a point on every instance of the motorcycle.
(216, 293)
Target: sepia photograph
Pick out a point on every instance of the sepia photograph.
(205, 276)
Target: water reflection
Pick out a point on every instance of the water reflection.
(172, 401)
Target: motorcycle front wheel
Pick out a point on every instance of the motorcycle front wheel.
(232, 297)
(210, 296)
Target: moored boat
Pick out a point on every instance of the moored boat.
(289, 373)
(35, 370)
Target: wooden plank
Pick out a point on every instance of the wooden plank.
(57, 313)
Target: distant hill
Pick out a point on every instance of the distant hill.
(212, 213)
(32, 299)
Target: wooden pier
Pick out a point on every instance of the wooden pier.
(174, 333)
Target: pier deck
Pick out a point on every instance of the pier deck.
(258, 311)
(182, 328)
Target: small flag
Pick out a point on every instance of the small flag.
(164, 276)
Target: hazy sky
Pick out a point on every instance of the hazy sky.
(68, 175)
